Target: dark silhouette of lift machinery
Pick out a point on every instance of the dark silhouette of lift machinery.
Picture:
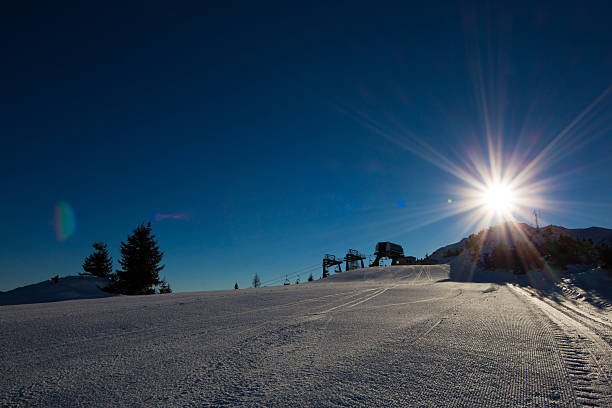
(352, 258)
(389, 250)
(329, 262)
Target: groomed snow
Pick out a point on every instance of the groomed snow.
(389, 336)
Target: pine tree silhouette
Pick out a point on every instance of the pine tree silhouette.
(140, 263)
(605, 257)
(164, 287)
(256, 281)
(236, 286)
(310, 278)
(98, 263)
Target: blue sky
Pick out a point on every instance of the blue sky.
(277, 134)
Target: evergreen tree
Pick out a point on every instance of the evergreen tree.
(605, 256)
(140, 262)
(164, 287)
(236, 286)
(310, 278)
(98, 263)
(256, 281)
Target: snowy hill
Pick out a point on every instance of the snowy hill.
(69, 287)
(389, 273)
(390, 336)
(521, 248)
(598, 235)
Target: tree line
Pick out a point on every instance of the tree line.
(535, 251)
(140, 264)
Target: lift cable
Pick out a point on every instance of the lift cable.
(283, 277)
(305, 269)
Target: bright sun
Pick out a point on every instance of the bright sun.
(499, 198)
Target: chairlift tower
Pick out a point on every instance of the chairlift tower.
(353, 257)
(330, 261)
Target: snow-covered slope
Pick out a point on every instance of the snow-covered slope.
(69, 287)
(383, 337)
(387, 273)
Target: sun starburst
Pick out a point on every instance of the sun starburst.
(499, 199)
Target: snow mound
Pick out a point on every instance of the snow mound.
(67, 288)
(390, 273)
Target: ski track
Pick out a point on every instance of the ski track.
(407, 340)
(583, 348)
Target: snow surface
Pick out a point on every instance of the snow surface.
(388, 336)
(69, 287)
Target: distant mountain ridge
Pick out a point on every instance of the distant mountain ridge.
(599, 235)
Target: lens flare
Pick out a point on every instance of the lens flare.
(64, 221)
(482, 155)
(160, 217)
